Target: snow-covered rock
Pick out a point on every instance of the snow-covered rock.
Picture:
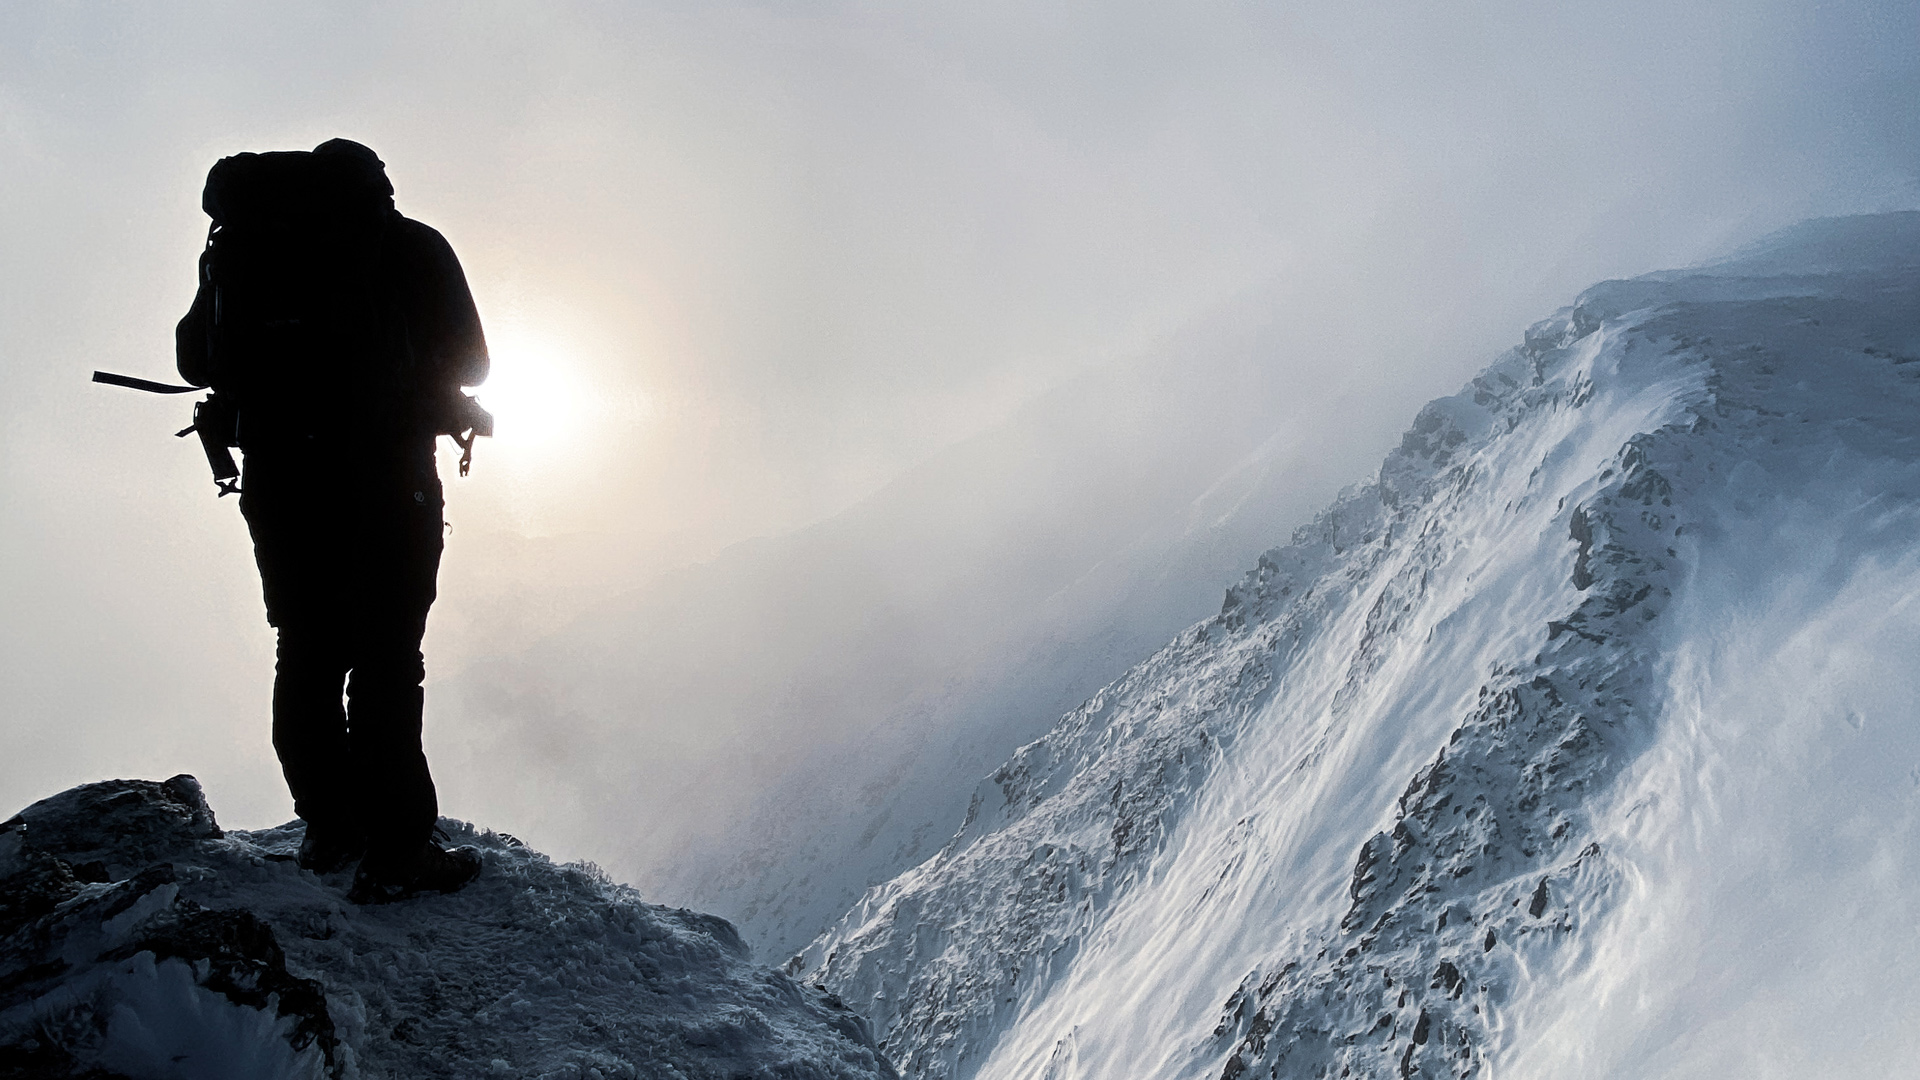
(139, 940)
(1581, 741)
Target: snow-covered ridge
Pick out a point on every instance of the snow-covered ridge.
(1398, 809)
(138, 940)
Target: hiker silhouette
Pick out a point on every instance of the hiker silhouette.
(336, 335)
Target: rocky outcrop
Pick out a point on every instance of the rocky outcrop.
(137, 939)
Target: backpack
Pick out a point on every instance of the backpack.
(293, 260)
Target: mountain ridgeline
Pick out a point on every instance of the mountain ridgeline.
(1465, 780)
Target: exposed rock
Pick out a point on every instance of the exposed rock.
(139, 940)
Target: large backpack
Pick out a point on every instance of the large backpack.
(298, 319)
(294, 262)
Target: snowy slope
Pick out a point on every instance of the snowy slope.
(806, 715)
(139, 940)
(1582, 741)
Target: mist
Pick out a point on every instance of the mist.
(872, 382)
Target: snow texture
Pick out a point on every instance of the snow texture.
(138, 940)
(1581, 741)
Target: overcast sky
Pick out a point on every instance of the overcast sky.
(743, 264)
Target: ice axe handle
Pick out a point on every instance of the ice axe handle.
(148, 385)
(214, 423)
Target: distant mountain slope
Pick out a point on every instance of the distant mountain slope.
(1602, 689)
(137, 940)
(805, 715)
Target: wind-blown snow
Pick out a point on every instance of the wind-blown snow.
(1579, 742)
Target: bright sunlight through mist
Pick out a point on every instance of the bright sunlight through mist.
(539, 401)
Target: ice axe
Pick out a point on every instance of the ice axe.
(211, 418)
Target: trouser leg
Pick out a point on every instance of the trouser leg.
(400, 545)
(294, 543)
(310, 726)
(385, 700)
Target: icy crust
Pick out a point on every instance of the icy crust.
(139, 940)
(1205, 870)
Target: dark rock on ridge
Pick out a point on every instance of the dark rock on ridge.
(138, 939)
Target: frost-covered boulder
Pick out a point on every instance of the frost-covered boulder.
(139, 940)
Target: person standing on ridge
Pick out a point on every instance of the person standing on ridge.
(336, 335)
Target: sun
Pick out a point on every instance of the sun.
(537, 394)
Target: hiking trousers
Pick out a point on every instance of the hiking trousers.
(348, 541)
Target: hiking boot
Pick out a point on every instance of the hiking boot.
(432, 869)
(328, 849)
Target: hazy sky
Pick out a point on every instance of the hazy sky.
(742, 264)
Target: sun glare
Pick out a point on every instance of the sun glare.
(536, 393)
